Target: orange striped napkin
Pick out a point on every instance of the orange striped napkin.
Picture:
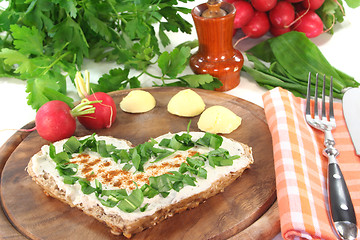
(301, 169)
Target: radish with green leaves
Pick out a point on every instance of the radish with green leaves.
(55, 120)
(105, 109)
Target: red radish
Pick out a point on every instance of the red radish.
(278, 31)
(294, 1)
(244, 13)
(312, 4)
(230, 1)
(55, 120)
(263, 5)
(105, 109)
(104, 115)
(258, 25)
(282, 15)
(310, 24)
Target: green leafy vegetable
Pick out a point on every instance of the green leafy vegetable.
(136, 157)
(290, 58)
(86, 187)
(131, 202)
(45, 42)
(210, 140)
(221, 157)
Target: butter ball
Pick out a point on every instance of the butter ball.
(186, 103)
(138, 101)
(218, 119)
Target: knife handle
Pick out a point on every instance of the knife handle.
(342, 209)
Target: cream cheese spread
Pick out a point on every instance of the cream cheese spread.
(110, 174)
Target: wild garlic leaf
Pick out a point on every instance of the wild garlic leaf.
(132, 202)
(210, 140)
(86, 187)
(72, 145)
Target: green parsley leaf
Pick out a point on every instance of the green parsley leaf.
(205, 81)
(173, 63)
(27, 40)
(116, 79)
(14, 57)
(70, 31)
(68, 5)
(44, 89)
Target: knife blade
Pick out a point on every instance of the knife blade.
(351, 110)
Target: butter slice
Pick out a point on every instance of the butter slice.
(138, 101)
(218, 119)
(186, 103)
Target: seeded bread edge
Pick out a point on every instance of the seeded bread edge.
(128, 228)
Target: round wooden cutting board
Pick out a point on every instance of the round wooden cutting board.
(236, 213)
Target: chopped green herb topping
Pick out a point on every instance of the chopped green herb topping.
(136, 157)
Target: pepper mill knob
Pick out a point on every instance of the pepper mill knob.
(213, 10)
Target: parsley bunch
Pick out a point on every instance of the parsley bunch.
(45, 41)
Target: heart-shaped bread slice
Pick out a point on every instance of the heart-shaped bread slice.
(131, 188)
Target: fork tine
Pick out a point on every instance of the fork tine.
(323, 108)
(316, 110)
(331, 107)
(307, 110)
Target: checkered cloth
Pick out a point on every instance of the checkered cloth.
(301, 169)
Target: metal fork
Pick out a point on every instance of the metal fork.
(342, 212)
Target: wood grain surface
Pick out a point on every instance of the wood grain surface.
(238, 210)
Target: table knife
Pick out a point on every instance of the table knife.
(351, 109)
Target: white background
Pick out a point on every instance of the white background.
(341, 49)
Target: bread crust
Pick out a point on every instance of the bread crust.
(119, 225)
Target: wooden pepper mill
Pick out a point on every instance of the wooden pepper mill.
(216, 54)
